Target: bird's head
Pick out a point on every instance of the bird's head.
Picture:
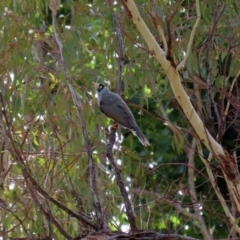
(100, 87)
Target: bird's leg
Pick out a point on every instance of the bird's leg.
(114, 126)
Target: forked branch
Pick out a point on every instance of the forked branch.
(175, 81)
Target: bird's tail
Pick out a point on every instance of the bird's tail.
(141, 137)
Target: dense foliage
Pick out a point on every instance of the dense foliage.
(44, 164)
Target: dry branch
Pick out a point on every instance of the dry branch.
(216, 189)
(16, 152)
(192, 191)
(143, 235)
(120, 183)
(112, 136)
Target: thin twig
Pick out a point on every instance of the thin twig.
(120, 183)
(207, 45)
(216, 189)
(16, 152)
(175, 82)
(230, 91)
(78, 104)
(48, 216)
(121, 54)
(189, 47)
(162, 199)
(25, 230)
(159, 28)
(192, 191)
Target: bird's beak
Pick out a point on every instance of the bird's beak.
(95, 84)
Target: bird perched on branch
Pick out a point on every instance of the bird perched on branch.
(113, 106)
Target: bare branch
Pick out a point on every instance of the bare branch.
(216, 189)
(192, 35)
(162, 199)
(227, 162)
(18, 219)
(150, 235)
(124, 194)
(175, 81)
(231, 88)
(159, 28)
(78, 105)
(48, 216)
(16, 153)
(120, 183)
(143, 235)
(192, 191)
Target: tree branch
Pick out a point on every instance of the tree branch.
(159, 28)
(78, 104)
(162, 199)
(175, 81)
(47, 215)
(192, 35)
(216, 189)
(112, 137)
(192, 191)
(227, 161)
(230, 91)
(150, 235)
(15, 151)
(120, 183)
(121, 54)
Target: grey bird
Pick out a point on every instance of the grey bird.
(113, 106)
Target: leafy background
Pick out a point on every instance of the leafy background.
(38, 111)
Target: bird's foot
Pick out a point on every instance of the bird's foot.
(114, 126)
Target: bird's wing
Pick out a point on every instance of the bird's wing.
(115, 108)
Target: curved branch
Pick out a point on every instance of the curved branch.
(175, 81)
(226, 161)
(161, 34)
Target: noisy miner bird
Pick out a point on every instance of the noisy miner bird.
(113, 106)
